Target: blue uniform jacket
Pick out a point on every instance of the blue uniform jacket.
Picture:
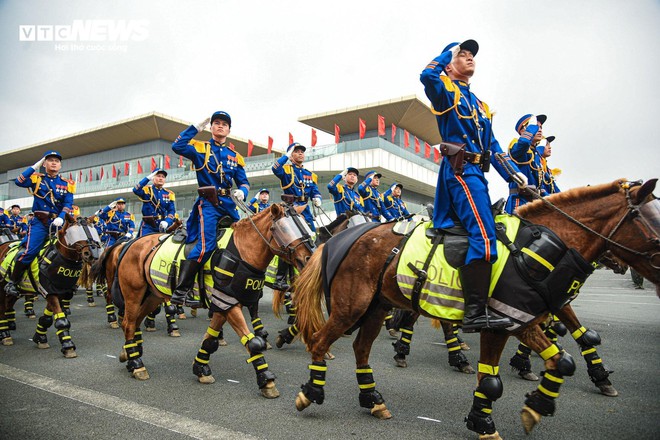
(156, 202)
(528, 160)
(53, 195)
(19, 223)
(4, 220)
(373, 203)
(299, 182)
(116, 221)
(256, 206)
(346, 199)
(395, 207)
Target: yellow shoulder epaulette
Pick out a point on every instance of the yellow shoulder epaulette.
(71, 186)
(315, 178)
(287, 168)
(200, 146)
(132, 217)
(239, 159)
(36, 177)
(171, 193)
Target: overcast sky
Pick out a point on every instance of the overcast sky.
(589, 65)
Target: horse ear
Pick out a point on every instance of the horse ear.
(646, 190)
(276, 210)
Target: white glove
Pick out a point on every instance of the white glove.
(113, 205)
(58, 222)
(163, 225)
(38, 163)
(343, 173)
(392, 187)
(317, 202)
(238, 195)
(129, 235)
(99, 212)
(522, 177)
(202, 125)
(533, 121)
(454, 52)
(152, 175)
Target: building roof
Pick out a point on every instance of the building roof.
(407, 112)
(130, 131)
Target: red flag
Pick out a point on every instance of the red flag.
(406, 139)
(381, 125)
(250, 148)
(101, 178)
(140, 168)
(80, 176)
(232, 146)
(167, 161)
(290, 138)
(114, 171)
(90, 175)
(436, 155)
(314, 139)
(70, 176)
(270, 144)
(180, 161)
(154, 165)
(393, 132)
(363, 127)
(127, 168)
(416, 145)
(336, 134)
(427, 150)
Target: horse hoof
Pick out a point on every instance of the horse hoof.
(175, 334)
(141, 374)
(528, 375)
(43, 345)
(70, 353)
(329, 356)
(269, 391)
(181, 316)
(302, 401)
(32, 317)
(393, 333)
(91, 304)
(400, 362)
(206, 379)
(114, 325)
(466, 347)
(268, 346)
(279, 342)
(530, 418)
(123, 357)
(193, 313)
(7, 342)
(381, 412)
(222, 342)
(608, 390)
(493, 436)
(150, 329)
(467, 369)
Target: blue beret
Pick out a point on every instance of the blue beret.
(53, 153)
(221, 115)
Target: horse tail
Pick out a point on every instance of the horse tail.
(307, 296)
(278, 302)
(97, 271)
(436, 323)
(85, 278)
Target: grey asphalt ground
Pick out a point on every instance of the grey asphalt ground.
(45, 396)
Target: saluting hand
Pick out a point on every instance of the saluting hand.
(202, 125)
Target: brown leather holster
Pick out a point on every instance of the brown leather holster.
(150, 220)
(455, 153)
(209, 193)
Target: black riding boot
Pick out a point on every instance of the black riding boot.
(11, 289)
(475, 279)
(184, 290)
(281, 276)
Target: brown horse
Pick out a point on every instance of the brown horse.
(60, 264)
(277, 230)
(621, 216)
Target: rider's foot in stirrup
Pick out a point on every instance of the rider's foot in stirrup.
(11, 290)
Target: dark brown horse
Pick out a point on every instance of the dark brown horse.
(60, 265)
(256, 239)
(591, 220)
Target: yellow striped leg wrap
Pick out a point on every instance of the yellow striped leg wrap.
(138, 337)
(10, 315)
(549, 352)
(214, 333)
(482, 403)
(452, 344)
(4, 325)
(257, 324)
(48, 312)
(202, 357)
(246, 338)
(132, 349)
(317, 374)
(550, 384)
(293, 330)
(60, 315)
(491, 370)
(110, 309)
(365, 378)
(578, 333)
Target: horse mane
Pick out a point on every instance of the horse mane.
(570, 197)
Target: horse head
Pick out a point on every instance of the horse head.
(79, 240)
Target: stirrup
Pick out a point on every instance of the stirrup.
(11, 289)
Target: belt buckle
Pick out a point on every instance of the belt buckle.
(476, 159)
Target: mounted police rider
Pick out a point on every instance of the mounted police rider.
(19, 225)
(462, 189)
(548, 182)
(302, 184)
(217, 166)
(523, 151)
(53, 199)
(345, 194)
(257, 205)
(373, 202)
(158, 209)
(119, 223)
(395, 208)
(4, 219)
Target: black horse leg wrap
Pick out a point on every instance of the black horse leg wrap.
(586, 337)
(543, 399)
(289, 333)
(170, 317)
(456, 357)
(520, 361)
(10, 315)
(489, 390)
(313, 389)
(402, 345)
(133, 353)
(63, 325)
(44, 323)
(201, 364)
(368, 394)
(258, 327)
(110, 311)
(455, 328)
(290, 308)
(4, 329)
(256, 346)
(138, 339)
(597, 372)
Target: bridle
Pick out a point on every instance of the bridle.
(67, 241)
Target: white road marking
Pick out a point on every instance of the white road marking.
(111, 356)
(141, 413)
(657, 303)
(232, 381)
(429, 419)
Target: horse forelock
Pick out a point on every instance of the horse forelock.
(572, 196)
